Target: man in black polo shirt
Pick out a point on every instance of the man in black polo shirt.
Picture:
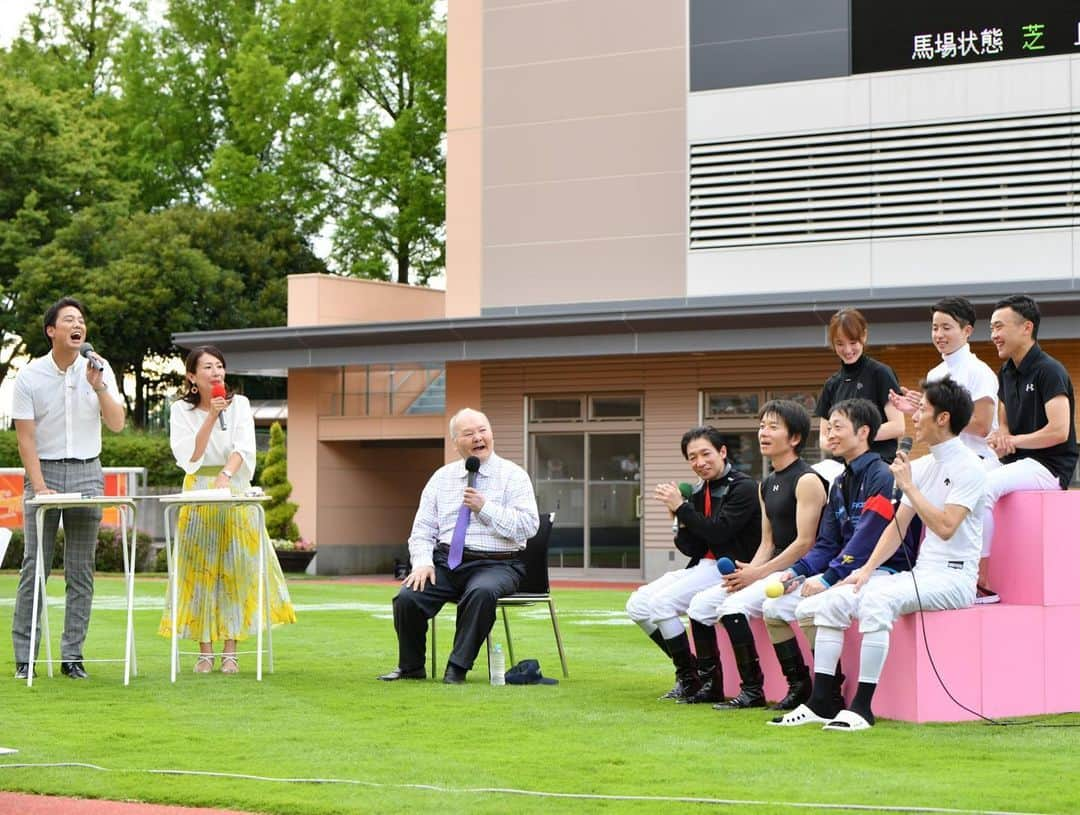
(1036, 437)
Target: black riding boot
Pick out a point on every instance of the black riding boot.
(686, 669)
(796, 673)
(752, 691)
(710, 673)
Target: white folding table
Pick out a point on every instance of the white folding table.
(125, 507)
(172, 504)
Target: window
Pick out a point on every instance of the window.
(556, 409)
(586, 468)
(614, 407)
(735, 414)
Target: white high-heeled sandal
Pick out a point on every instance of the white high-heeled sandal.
(204, 660)
(230, 664)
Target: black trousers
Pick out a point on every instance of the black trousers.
(475, 586)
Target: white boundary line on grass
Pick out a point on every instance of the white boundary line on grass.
(584, 796)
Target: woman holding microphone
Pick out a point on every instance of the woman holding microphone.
(218, 546)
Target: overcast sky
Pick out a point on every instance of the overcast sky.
(11, 17)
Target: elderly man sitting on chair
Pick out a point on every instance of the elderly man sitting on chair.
(475, 517)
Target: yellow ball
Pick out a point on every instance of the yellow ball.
(774, 589)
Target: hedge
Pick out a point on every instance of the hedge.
(128, 449)
(107, 558)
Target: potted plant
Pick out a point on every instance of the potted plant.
(294, 556)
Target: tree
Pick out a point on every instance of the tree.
(373, 107)
(279, 510)
(322, 111)
(55, 167)
(147, 276)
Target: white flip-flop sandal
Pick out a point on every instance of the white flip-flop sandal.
(847, 721)
(798, 717)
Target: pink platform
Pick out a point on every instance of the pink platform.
(1017, 658)
(1035, 554)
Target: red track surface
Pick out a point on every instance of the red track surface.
(12, 803)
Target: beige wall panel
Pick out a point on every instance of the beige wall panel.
(583, 210)
(542, 32)
(622, 269)
(369, 494)
(634, 144)
(305, 394)
(671, 408)
(353, 526)
(464, 64)
(603, 86)
(464, 222)
(462, 391)
(348, 428)
(322, 299)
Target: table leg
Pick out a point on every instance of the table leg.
(171, 557)
(129, 573)
(262, 596)
(39, 520)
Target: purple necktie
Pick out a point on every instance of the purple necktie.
(457, 542)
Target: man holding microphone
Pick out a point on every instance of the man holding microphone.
(60, 402)
(475, 516)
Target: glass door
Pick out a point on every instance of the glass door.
(614, 500)
(592, 482)
(559, 475)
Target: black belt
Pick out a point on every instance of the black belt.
(71, 460)
(473, 554)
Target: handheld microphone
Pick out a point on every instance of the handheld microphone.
(903, 447)
(216, 391)
(472, 465)
(725, 565)
(686, 491)
(92, 359)
(776, 588)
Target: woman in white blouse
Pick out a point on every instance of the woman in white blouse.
(213, 441)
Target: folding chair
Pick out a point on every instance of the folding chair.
(535, 588)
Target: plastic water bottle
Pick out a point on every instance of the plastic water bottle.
(498, 666)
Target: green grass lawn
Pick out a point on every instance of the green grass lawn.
(410, 747)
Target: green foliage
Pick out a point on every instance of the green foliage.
(128, 449)
(274, 480)
(108, 557)
(56, 160)
(136, 449)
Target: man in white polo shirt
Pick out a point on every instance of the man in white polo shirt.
(59, 404)
(952, 323)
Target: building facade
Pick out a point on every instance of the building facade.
(652, 211)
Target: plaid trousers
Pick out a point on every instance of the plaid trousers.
(80, 543)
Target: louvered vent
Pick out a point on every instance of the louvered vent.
(1013, 173)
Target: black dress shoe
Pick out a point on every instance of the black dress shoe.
(22, 670)
(397, 673)
(73, 670)
(454, 675)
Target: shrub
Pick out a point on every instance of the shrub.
(279, 510)
(107, 558)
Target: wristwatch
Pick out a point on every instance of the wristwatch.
(226, 473)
